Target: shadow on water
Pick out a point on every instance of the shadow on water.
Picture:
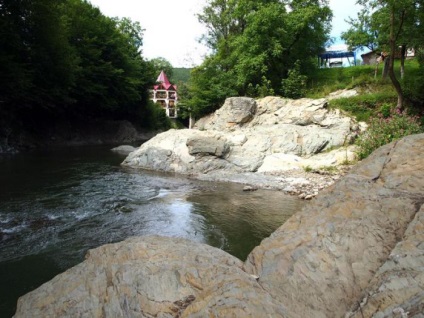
(56, 204)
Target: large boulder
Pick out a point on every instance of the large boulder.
(247, 136)
(152, 277)
(397, 290)
(355, 251)
(236, 111)
(184, 151)
(354, 232)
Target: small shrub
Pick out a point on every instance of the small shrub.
(383, 130)
(308, 169)
(329, 169)
(294, 86)
(262, 90)
(386, 110)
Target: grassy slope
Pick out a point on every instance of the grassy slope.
(375, 92)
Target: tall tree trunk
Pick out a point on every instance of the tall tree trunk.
(386, 66)
(392, 75)
(402, 61)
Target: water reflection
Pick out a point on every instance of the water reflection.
(57, 204)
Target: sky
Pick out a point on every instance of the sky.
(172, 30)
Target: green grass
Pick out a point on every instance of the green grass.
(364, 106)
(374, 92)
(324, 81)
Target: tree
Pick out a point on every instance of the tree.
(111, 76)
(294, 86)
(35, 55)
(361, 32)
(132, 31)
(256, 42)
(63, 59)
(396, 23)
(208, 87)
(161, 64)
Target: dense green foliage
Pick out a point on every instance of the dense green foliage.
(154, 117)
(294, 86)
(254, 45)
(383, 130)
(65, 59)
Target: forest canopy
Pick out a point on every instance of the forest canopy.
(64, 58)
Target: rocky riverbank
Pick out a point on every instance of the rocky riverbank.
(357, 250)
(64, 133)
(298, 182)
(298, 146)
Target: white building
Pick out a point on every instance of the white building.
(165, 94)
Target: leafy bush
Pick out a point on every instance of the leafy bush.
(263, 90)
(386, 110)
(294, 86)
(383, 130)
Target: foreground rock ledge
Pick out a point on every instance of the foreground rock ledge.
(356, 251)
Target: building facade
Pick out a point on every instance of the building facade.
(165, 94)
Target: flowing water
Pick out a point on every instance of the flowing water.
(56, 204)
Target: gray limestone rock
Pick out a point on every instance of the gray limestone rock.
(240, 136)
(202, 145)
(326, 255)
(152, 277)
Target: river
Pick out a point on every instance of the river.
(56, 204)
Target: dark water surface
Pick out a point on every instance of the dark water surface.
(56, 204)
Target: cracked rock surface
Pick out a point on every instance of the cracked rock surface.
(323, 258)
(152, 277)
(259, 139)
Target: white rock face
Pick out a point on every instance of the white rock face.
(343, 93)
(269, 135)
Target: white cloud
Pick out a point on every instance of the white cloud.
(172, 30)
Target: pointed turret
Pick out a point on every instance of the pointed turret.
(162, 78)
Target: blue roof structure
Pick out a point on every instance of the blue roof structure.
(329, 55)
(337, 54)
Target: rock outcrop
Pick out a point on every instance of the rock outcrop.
(268, 136)
(152, 277)
(347, 235)
(356, 251)
(124, 149)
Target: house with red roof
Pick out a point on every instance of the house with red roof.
(165, 94)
